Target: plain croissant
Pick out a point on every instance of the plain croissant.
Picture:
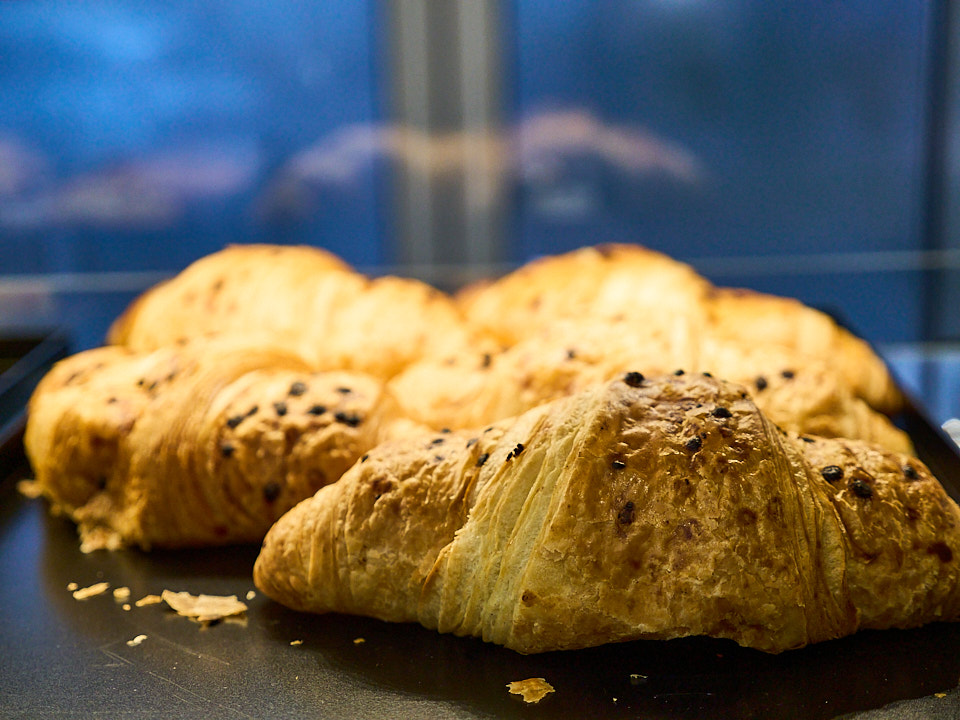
(301, 298)
(640, 508)
(643, 287)
(474, 388)
(202, 443)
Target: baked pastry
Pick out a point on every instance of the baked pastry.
(304, 299)
(641, 286)
(470, 389)
(203, 443)
(640, 508)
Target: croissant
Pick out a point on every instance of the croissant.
(639, 508)
(642, 286)
(203, 443)
(470, 389)
(305, 300)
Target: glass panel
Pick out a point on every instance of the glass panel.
(775, 134)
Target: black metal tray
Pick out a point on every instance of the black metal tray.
(68, 658)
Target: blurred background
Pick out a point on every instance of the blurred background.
(804, 149)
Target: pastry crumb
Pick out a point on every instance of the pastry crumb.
(72, 586)
(149, 600)
(251, 594)
(533, 690)
(940, 695)
(296, 642)
(121, 593)
(91, 591)
(136, 641)
(126, 606)
(358, 641)
(203, 608)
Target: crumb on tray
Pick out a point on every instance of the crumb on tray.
(533, 690)
(203, 608)
(91, 591)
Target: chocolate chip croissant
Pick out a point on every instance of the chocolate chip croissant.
(642, 287)
(640, 508)
(201, 443)
(470, 389)
(301, 298)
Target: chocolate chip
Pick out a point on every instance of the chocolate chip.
(235, 420)
(625, 516)
(721, 412)
(487, 358)
(364, 458)
(678, 372)
(351, 419)
(942, 551)
(471, 442)
(226, 449)
(694, 443)
(832, 473)
(910, 472)
(271, 491)
(861, 489)
(297, 389)
(618, 464)
(706, 374)
(344, 390)
(515, 452)
(280, 407)
(787, 374)
(571, 354)
(436, 441)
(633, 379)
(316, 410)
(761, 383)
(482, 459)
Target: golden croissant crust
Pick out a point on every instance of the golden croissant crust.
(643, 287)
(303, 299)
(207, 442)
(470, 389)
(639, 508)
